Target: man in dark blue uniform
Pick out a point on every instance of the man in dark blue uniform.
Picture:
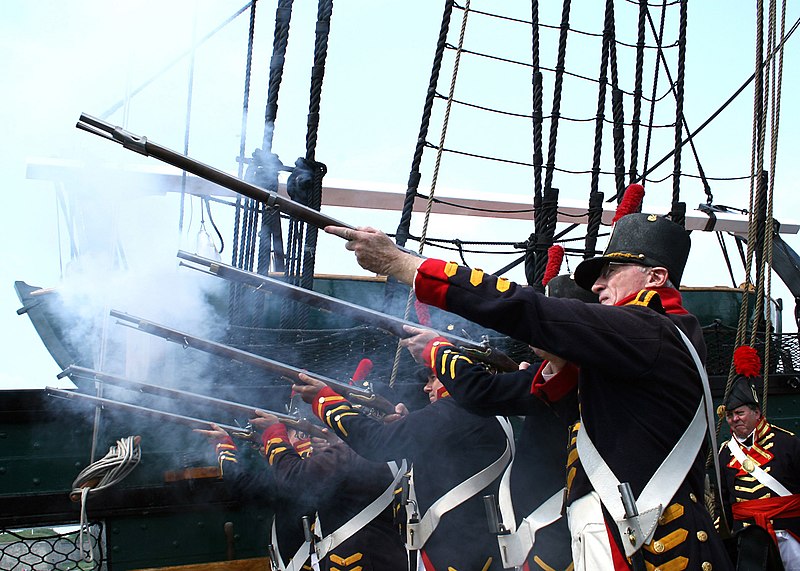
(636, 366)
(457, 458)
(760, 467)
(548, 409)
(352, 498)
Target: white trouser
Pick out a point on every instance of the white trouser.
(591, 550)
(790, 550)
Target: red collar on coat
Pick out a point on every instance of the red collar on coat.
(669, 298)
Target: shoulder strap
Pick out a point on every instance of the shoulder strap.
(298, 559)
(658, 491)
(515, 546)
(668, 477)
(710, 431)
(419, 532)
(759, 474)
(362, 518)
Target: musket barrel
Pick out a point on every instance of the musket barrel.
(148, 148)
(141, 410)
(186, 396)
(357, 395)
(389, 323)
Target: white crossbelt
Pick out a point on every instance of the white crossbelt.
(331, 541)
(664, 483)
(298, 559)
(515, 546)
(417, 533)
(759, 474)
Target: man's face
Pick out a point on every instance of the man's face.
(617, 281)
(742, 420)
(432, 387)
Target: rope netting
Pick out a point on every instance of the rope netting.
(53, 549)
(557, 71)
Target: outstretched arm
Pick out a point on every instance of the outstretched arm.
(376, 252)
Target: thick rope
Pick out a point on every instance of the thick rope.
(617, 112)
(537, 84)
(594, 186)
(270, 239)
(545, 205)
(774, 93)
(234, 295)
(557, 90)
(414, 175)
(601, 103)
(301, 256)
(435, 177)
(636, 121)
(324, 12)
(690, 136)
(659, 37)
(755, 180)
(235, 254)
(758, 203)
(676, 170)
(593, 223)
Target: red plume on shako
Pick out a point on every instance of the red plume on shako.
(631, 201)
(555, 255)
(746, 361)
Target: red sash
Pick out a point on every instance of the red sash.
(763, 511)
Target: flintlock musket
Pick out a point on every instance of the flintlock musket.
(354, 394)
(234, 408)
(389, 323)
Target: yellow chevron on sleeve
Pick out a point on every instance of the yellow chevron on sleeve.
(476, 277)
(450, 356)
(450, 269)
(339, 418)
(274, 452)
(502, 284)
(454, 361)
(346, 560)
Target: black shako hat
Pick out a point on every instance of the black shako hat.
(645, 239)
(565, 286)
(742, 392)
(747, 364)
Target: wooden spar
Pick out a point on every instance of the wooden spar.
(167, 179)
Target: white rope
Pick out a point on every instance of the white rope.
(429, 206)
(106, 472)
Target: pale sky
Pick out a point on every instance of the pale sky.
(84, 56)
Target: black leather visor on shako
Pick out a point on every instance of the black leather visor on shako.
(645, 239)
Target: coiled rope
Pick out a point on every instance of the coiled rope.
(102, 474)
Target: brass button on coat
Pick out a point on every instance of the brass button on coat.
(702, 536)
(706, 566)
